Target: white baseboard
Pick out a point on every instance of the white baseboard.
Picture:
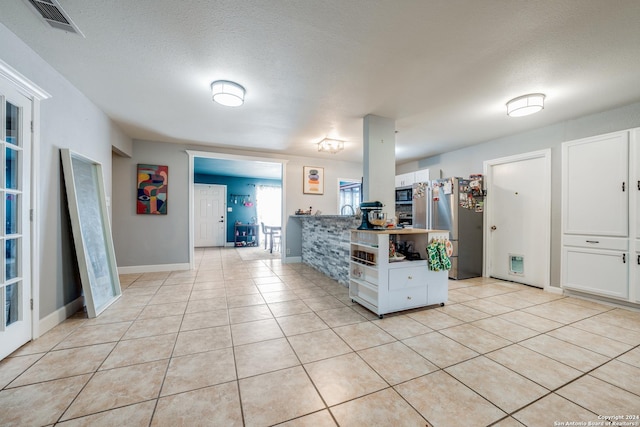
(60, 315)
(553, 289)
(153, 268)
(291, 259)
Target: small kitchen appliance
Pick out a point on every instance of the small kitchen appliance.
(374, 208)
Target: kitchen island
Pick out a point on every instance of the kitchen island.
(385, 281)
(325, 243)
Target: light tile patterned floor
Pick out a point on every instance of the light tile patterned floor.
(250, 341)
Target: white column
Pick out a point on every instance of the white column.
(379, 162)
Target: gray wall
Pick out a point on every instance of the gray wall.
(68, 120)
(144, 240)
(470, 160)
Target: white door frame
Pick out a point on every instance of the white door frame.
(193, 154)
(544, 186)
(35, 94)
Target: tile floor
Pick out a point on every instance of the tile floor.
(243, 341)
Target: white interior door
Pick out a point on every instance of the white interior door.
(15, 281)
(517, 227)
(210, 215)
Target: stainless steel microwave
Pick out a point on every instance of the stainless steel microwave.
(404, 194)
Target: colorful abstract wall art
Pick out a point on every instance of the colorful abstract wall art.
(152, 189)
(312, 180)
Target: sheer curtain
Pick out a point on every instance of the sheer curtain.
(269, 206)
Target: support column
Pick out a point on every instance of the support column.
(379, 162)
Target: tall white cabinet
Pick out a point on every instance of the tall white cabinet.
(600, 237)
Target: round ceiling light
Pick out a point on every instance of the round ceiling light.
(227, 93)
(525, 105)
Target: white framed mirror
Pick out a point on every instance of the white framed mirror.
(91, 231)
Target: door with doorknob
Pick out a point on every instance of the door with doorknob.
(517, 221)
(209, 215)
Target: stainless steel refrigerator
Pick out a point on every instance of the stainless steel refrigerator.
(457, 205)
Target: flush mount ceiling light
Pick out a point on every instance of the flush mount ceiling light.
(525, 105)
(227, 93)
(330, 145)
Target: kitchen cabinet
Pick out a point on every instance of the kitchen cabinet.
(422, 175)
(600, 185)
(408, 179)
(596, 185)
(384, 285)
(405, 180)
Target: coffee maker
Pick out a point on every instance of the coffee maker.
(366, 208)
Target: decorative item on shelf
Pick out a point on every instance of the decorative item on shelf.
(301, 212)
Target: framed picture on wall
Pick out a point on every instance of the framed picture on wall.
(153, 181)
(312, 180)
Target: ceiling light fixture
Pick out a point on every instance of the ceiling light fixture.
(525, 105)
(227, 93)
(330, 145)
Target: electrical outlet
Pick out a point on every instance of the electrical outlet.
(288, 251)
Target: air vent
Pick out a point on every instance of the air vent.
(52, 13)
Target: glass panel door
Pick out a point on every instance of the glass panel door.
(15, 286)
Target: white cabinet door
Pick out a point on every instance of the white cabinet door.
(597, 271)
(595, 185)
(634, 180)
(405, 179)
(422, 175)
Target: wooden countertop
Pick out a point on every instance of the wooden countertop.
(401, 231)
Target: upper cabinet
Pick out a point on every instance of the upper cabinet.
(595, 178)
(405, 179)
(408, 179)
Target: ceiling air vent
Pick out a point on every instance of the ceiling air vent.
(52, 13)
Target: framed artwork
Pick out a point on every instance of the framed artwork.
(153, 182)
(312, 180)
(91, 231)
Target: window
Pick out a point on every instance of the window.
(350, 196)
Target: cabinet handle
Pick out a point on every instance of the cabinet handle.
(624, 258)
(638, 259)
(638, 185)
(408, 297)
(593, 241)
(410, 277)
(623, 186)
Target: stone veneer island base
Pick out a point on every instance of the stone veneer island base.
(325, 243)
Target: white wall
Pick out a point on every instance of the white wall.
(470, 160)
(143, 240)
(68, 120)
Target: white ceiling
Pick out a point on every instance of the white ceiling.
(443, 69)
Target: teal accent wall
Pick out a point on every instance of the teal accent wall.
(235, 185)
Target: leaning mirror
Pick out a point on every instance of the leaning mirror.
(91, 231)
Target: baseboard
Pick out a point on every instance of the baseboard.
(553, 289)
(60, 315)
(291, 259)
(153, 268)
